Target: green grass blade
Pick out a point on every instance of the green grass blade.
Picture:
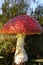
(37, 60)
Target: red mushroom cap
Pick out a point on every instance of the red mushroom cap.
(22, 24)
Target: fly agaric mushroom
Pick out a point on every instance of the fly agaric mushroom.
(21, 25)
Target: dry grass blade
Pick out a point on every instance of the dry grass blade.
(1, 57)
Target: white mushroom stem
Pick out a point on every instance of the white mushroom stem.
(20, 54)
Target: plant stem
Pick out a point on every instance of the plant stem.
(20, 54)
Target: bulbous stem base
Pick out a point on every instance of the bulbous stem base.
(20, 55)
(21, 63)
